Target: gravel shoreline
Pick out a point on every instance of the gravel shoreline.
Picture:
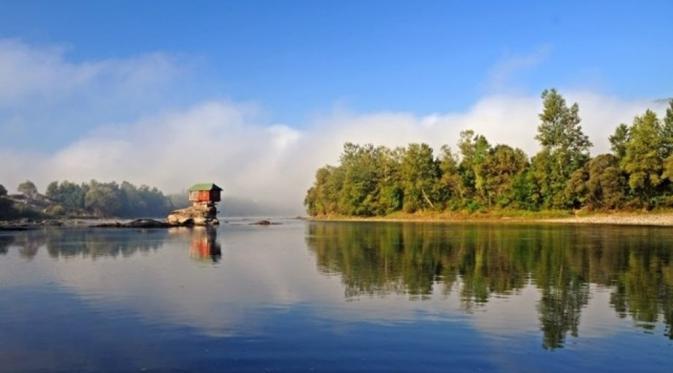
(644, 219)
(618, 219)
(663, 219)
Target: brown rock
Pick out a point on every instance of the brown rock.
(198, 214)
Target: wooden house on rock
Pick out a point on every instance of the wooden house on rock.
(202, 212)
(207, 193)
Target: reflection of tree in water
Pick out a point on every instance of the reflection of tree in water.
(485, 260)
(66, 243)
(99, 243)
(643, 289)
(5, 241)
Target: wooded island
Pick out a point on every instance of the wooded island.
(89, 199)
(377, 181)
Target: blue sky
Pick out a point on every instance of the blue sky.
(80, 81)
(297, 58)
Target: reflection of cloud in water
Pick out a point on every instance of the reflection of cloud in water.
(510, 314)
(259, 269)
(478, 278)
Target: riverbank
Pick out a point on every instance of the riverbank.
(28, 224)
(32, 224)
(652, 218)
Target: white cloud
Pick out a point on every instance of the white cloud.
(221, 141)
(29, 73)
(48, 97)
(227, 142)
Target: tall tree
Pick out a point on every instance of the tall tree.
(473, 150)
(618, 141)
(318, 199)
(419, 173)
(565, 148)
(667, 131)
(27, 188)
(451, 188)
(643, 156)
(391, 191)
(667, 136)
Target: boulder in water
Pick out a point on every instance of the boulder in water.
(138, 223)
(198, 214)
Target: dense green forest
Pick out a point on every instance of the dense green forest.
(94, 198)
(375, 181)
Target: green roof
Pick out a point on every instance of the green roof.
(204, 186)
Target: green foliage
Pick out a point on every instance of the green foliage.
(607, 182)
(525, 193)
(56, 210)
(565, 148)
(667, 131)
(69, 195)
(361, 187)
(497, 173)
(618, 141)
(27, 188)
(560, 126)
(7, 210)
(10, 210)
(599, 184)
(378, 181)
(108, 199)
(474, 150)
(643, 160)
(450, 188)
(419, 174)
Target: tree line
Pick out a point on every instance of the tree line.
(375, 180)
(94, 198)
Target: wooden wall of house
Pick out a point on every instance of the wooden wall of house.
(204, 196)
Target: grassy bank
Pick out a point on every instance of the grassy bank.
(631, 217)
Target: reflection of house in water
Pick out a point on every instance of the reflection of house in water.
(204, 245)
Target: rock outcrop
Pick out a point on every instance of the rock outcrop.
(198, 214)
(264, 222)
(138, 223)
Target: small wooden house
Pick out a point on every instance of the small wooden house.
(205, 193)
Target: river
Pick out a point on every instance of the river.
(328, 296)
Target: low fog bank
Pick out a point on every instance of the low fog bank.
(266, 168)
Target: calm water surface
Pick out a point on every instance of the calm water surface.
(338, 297)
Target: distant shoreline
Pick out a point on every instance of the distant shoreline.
(634, 218)
(655, 218)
